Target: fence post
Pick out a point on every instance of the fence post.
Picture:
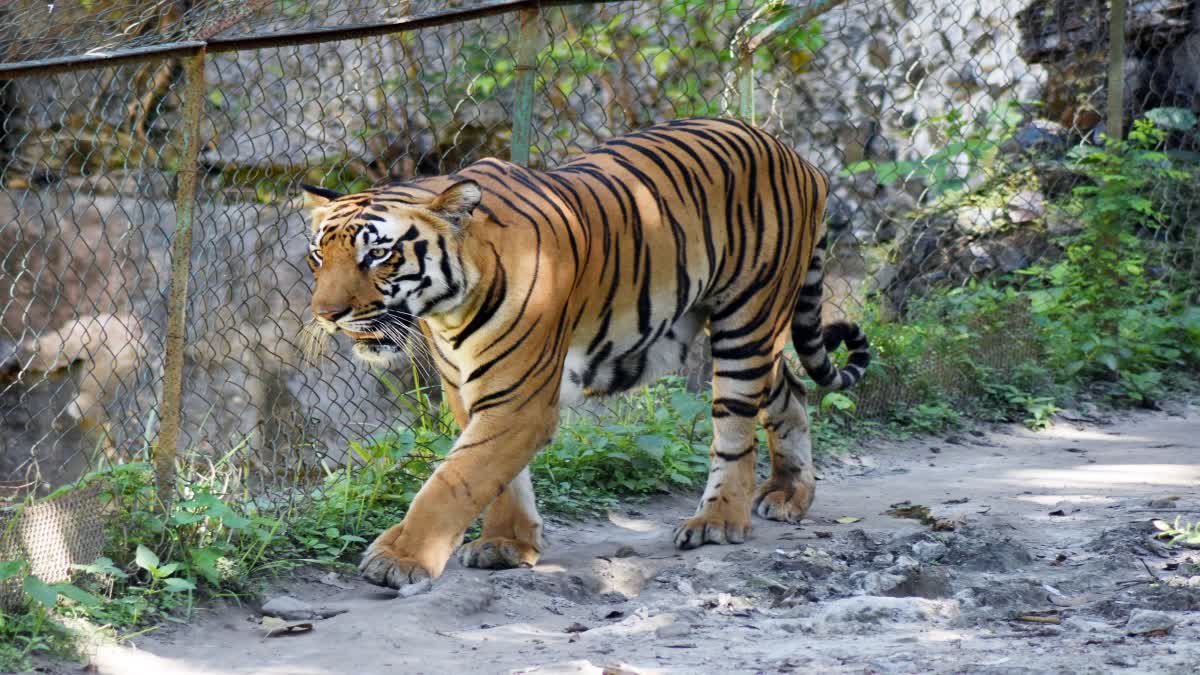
(745, 42)
(522, 115)
(1115, 122)
(166, 449)
(746, 85)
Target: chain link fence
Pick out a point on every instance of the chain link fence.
(152, 276)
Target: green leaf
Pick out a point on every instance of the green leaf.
(10, 568)
(185, 518)
(177, 585)
(102, 565)
(146, 559)
(167, 570)
(1180, 119)
(77, 594)
(1109, 360)
(204, 561)
(43, 593)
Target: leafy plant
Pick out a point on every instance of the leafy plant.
(1107, 315)
(1178, 533)
(966, 150)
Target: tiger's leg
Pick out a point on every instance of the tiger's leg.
(739, 387)
(789, 491)
(512, 530)
(488, 455)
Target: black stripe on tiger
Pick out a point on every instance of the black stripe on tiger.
(814, 342)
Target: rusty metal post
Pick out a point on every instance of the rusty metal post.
(1115, 122)
(171, 403)
(522, 115)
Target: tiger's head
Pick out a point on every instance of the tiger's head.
(385, 258)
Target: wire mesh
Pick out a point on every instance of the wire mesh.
(898, 102)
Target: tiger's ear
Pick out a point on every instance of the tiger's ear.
(317, 196)
(456, 202)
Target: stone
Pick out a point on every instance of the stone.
(284, 604)
(1082, 625)
(879, 610)
(672, 630)
(1144, 621)
(929, 551)
(977, 219)
(1026, 206)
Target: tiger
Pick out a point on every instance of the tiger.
(533, 290)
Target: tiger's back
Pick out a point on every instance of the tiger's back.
(646, 237)
(536, 288)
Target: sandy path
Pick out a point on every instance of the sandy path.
(882, 595)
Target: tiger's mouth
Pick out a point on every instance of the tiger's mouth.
(374, 347)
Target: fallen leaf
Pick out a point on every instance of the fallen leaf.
(821, 534)
(1033, 618)
(1059, 512)
(615, 614)
(273, 627)
(1160, 525)
(946, 524)
(846, 520)
(908, 510)
(576, 628)
(960, 500)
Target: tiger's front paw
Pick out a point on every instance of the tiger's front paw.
(383, 565)
(498, 553)
(709, 529)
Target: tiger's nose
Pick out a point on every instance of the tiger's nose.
(331, 312)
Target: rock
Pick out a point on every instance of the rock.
(1026, 206)
(977, 220)
(284, 603)
(1146, 621)
(626, 551)
(1040, 136)
(929, 551)
(1082, 625)
(907, 578)
(672, 630)
(877, 610)
(290, 609)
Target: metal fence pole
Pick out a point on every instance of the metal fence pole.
(746, 86)
(1115, 124)
(522, 115)
(171, 404)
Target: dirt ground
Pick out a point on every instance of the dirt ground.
(1053, 527)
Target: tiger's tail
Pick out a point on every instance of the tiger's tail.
(813, 341)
